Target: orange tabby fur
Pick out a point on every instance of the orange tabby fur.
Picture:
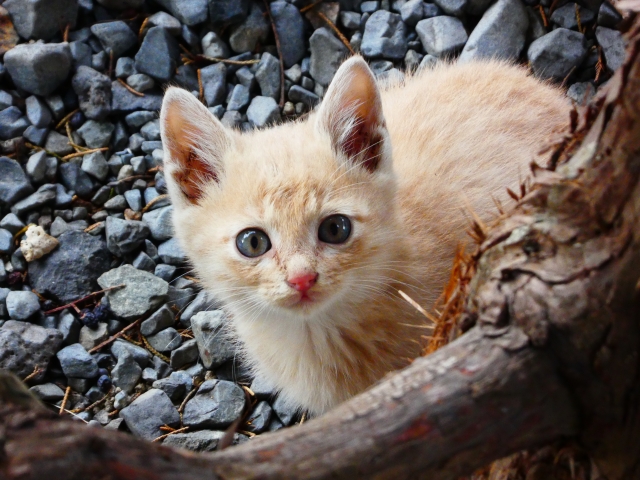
(456, 136)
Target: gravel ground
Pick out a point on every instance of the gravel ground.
(82, 166)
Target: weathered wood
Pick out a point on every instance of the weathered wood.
(554, 350)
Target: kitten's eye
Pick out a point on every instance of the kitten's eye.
(253, 242)
(335, 229)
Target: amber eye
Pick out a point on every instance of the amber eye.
(253, 242)
(335, 229)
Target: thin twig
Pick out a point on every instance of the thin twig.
(35, 373)
(187, 398)
(110, 71)
(66, 118)
(128, 179)
(135, 92)
(153, 350)
(80, 154)
(227, 60)
(67, 127)
(142, 29)
(94, 404)
(543, 15)
(279, 49)
(71, 304)
(342, 38)
(65, 34)
(310, 6)
(162, 437)
(565, 79)
(200, 86)
(114, 337)
(64, 400)
(153, 201)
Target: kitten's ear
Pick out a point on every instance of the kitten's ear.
(351, 113)
(194, 142)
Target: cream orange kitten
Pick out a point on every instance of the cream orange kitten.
(305, 232)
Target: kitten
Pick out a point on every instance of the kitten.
(306, 231)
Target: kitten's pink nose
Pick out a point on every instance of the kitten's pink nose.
(303, 283)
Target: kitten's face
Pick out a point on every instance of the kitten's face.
(288, 221)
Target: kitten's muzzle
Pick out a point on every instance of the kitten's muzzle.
(303, 283)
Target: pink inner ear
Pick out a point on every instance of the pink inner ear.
(192, 175)
(363, 144)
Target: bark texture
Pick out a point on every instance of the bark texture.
(552, 351)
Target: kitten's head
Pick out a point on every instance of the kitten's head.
(288, 220)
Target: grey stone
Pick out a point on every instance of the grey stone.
(76, 362)
(285, 411)
(70, 328)
(263, 111)
(6, 100)
(441, 36)
(96, 134)
(232, 119)
(151, 130)
(268, 77)
(200, 441)
(176, 385)
(36, 166)
(149, 375)
(81, 54)
(6, 242)
(608, 16)
(369, 6)
(149, 412)
(412, 12)
(22, 305)
(327, 53)
(214, 46)
(351, 20)
(140, 82)
(48, 392)
(213, 345)
(452, 7)
(253, 29)
(59, 226)
(140, 355)
(384, 36)
(144, 262)
(189, 12)
(556, 53)
(94, 92)
(37, 112)
(95, 165)
(565, 16)
(134, 199)
(125, 67)
(165, 340)
(14, 184)
(12, 123)
(165, 272)
(170, 252)
(126, 102)
(90, 337)
(136, 120)
(74, 178)
(294, 74)
(260, 417)
(124, 236)
(612, 45)
(12, 223)
(240, 97)
(71, 270)
(185, 354)
(55, 103)
(99, 61)
(38, 68)
(200, 302)
(158, 54)
(262, 388)
(41, 19)
(121, 4)
(25, 347)
(160, 366)
(216, 405)
(36, 136)
(58, 144)
(117, 203)
(228, 11)
(115, 37)
(142, 293)
(45, 195)
(299, 94)
(159, 223)
(581, 92)
(291, 28)
(161, 319)
(126, 373)
(166, 21)
(214, 83)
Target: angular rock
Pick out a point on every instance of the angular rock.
(149, 412)
(290, 26)
(41, 19)
(158, 54)
(124, 236)
(260, 417)
(441, 36)
(38, 68)
(214, 83)
(170, 252)
(285, 412)
(94, 92)
(566, 17)
(556, 53)
(48, 392)
(176, 385)
(166, 21)
(37, 112)
(123, 101)
(21, 305)
(268, 77)
(58, 144)
(500, 34)
(200, 441)
(115, 37)
(140, 82)
(159, 223)
(214, 346)
(453, 7)
(612, 45)
(165, 340)
(240, 98)
(214, 46)
(75, 179)
(6, 242)
(608, 16)
(140, 355)
(12, 123)
(246, 35)
(228, 11)
(45, 195)
(126, 373)
(25, 347)
(96, 134)
(327, 53)
(14, 184)
(142, 293)
(189, 12)
(161, 319)
(185, 354)
(385, 35)
(299, 94)
(216, 405)
(90, 337)
(76, 362)
(96, 165)
(263, 111)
